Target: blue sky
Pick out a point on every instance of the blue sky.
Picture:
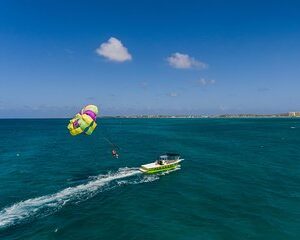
(147, 57)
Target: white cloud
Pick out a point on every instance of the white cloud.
(223, 108)
(205, 82)
(114, 50)
(68, 51)
(144, 85)
(263, 89)
(184, 61)
(173, 94)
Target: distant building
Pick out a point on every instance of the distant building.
(294, 114)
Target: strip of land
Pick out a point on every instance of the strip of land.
(279, 115)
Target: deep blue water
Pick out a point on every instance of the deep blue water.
(240, 180)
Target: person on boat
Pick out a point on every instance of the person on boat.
(114, 153)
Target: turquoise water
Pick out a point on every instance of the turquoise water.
(240, 180)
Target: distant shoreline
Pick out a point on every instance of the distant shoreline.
(246, 115)
(196, 116)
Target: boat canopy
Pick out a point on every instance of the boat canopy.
(169, 156)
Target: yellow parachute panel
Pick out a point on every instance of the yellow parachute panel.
(85, 121)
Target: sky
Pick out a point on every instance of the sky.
(149, 57)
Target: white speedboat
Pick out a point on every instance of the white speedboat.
(165, 162)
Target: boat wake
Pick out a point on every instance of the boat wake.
(42, 206)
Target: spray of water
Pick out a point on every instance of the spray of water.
(49, 204)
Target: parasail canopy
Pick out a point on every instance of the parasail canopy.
(84, 121)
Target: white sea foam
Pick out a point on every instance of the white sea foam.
(48, 204)
(169, 171)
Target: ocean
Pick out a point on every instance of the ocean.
(240, 180)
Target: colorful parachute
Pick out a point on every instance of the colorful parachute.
(84, 121)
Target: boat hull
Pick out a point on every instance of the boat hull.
(159, 168)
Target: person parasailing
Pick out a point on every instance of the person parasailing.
(114, 153)
(115, 148)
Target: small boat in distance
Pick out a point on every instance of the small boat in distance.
(165, 162)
